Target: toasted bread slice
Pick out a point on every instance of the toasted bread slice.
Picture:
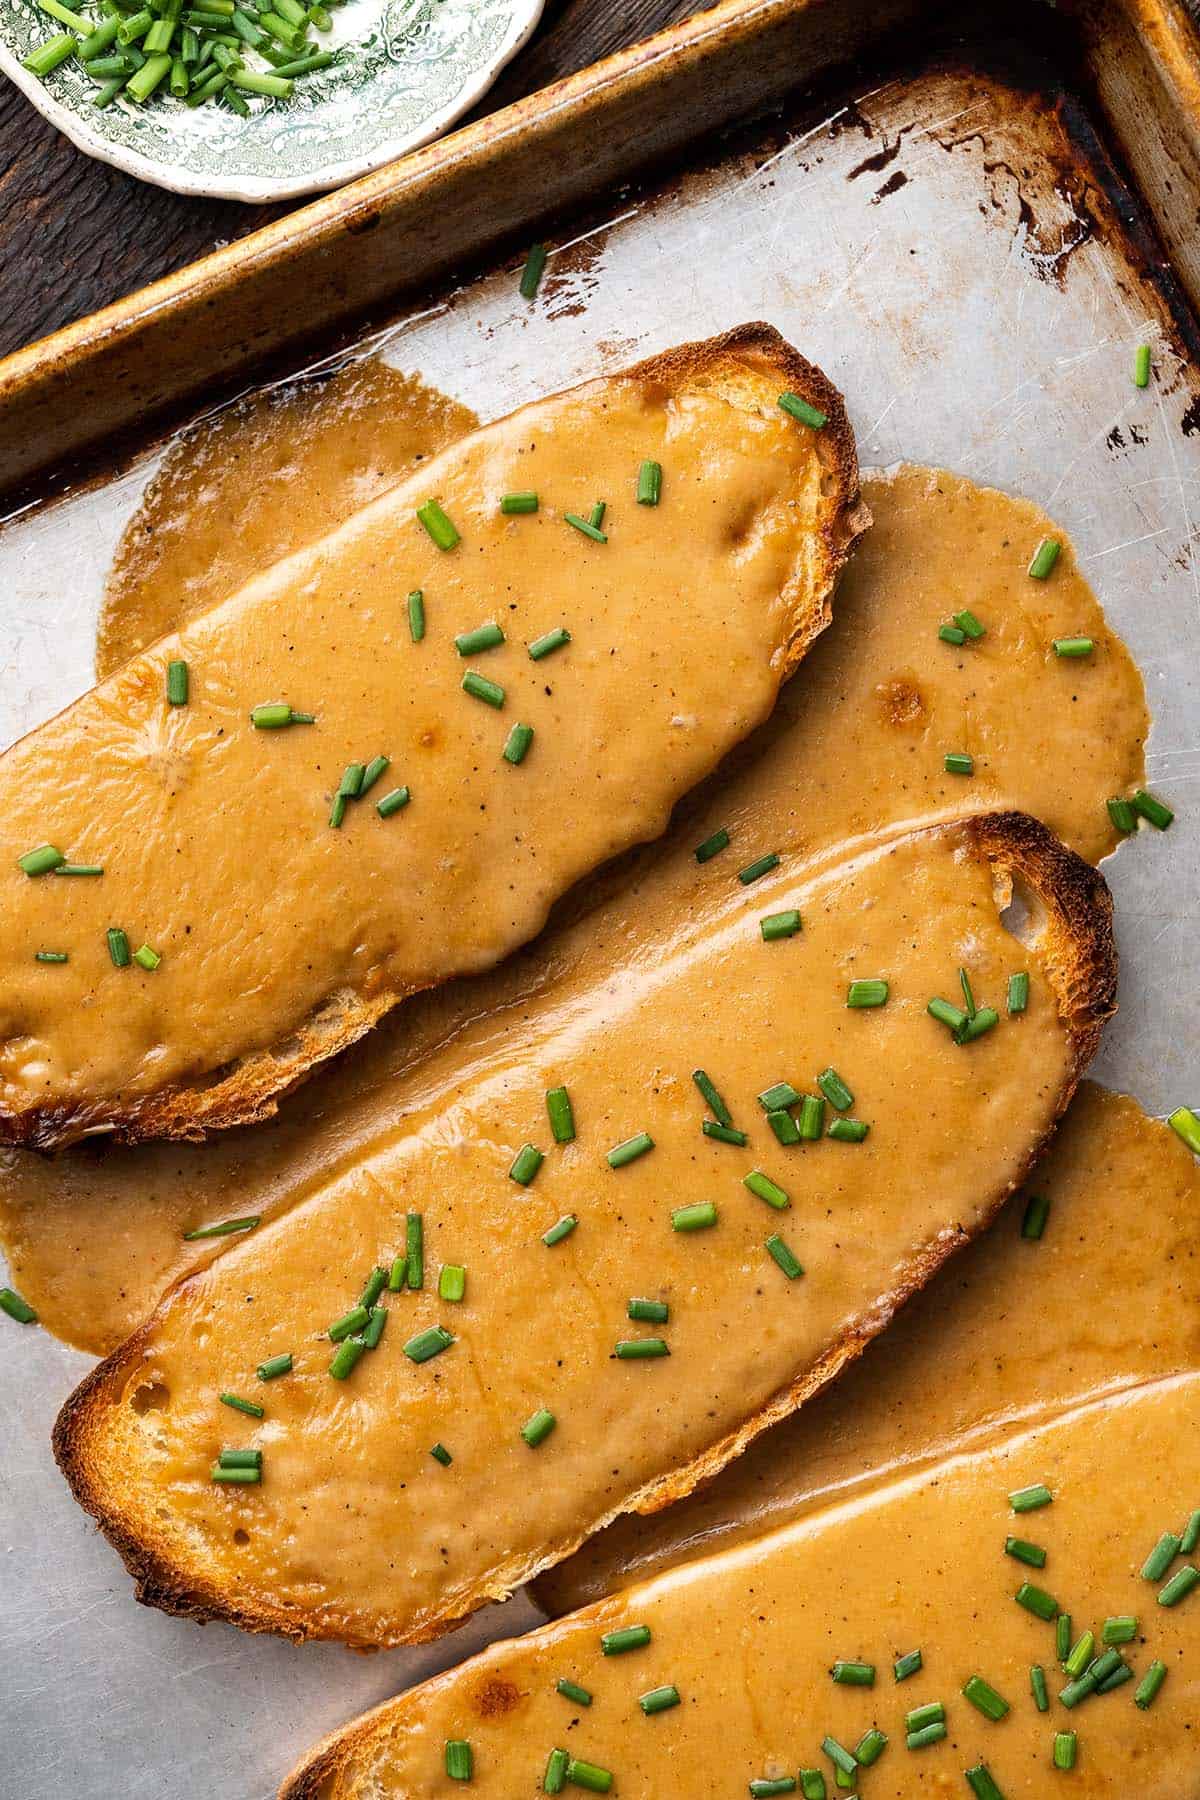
(748, 1639)
(356, 1533)
(287, 919)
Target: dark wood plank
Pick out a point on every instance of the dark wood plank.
(75, 234)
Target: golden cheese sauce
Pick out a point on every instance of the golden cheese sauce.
(1011, 1329)
(356, 1532)
(215, 837)
(257, 481)
(749, 1637)
(95, 1237)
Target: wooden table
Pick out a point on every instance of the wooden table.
(75, 234)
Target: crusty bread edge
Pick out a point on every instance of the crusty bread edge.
(250, 1089)
(1078, 952)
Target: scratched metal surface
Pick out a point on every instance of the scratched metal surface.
(939, 248)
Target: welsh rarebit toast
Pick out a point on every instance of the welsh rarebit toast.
(376, 765)
(556, 1291)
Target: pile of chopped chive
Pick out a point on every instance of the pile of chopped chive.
(196, 52)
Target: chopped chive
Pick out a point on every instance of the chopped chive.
(932, 1713)
(694, 1218)
(561, 1115)
(1064, 1749)
(177, 674)
(984, 1019)
(848, 1131)
(952, 634)
(1159, 816)
(1037, 1211)
(766, 1189)
(480, 688)
(596, 516)
(764, 1785)
(416, 615)
(452, 1282)
(1179, 1586)
(725, 1134)
(350, 786)
(1036, 1600)
(1141, 366)
(1062, 1636)
(531, 274)
(628, 1637)
(984, 1698)
(46, 58)
(275, 1366)
(835, 1090)
(642, 1349)
(867, 993)
(345, 1357)
(224, 1229)
(392, 803)
(1122, 815)
(17, 1307)
(571, 1690)
(982, 1783)
(907, 1665)
(249, 1407)
(1161, 1557)
(554, 1780)
(967, 622)
(236, 1477)
(414, 1247)
(1191, 1534)
(630, 1150)
(484, 637)
(240, 1459)
(870, 1747)
(517, 744)
(398, 1274)
(787, 1131)
(945, 1014)
(712, 846)
(589, 1775)
(1037, 1684)
(525, 501)
(349, 1322)
(1044, 558)
(51, 956)
(460, 1762)
(853, 1674)
(1074, 647)
(1147, 1688)
(537, 1427)
(1081, 1654)
(441, 1455)
(587, 528)
(964, 982)
(652, 1312)
(41, 860)
(557, 1233)
(1186, 1125)
(526, 1164)
(839, 1756)
(812, 1784)
(649, 486)
(374, 1327)
(659, 1699)
(276, 714)
(1031, 1554)
(811, 1122)
(796, 408)
(779, 925)
(1031, 1498)
(762, 866)
(1120, 1629)
(1116, 1678)
(374, 769)
(549, 643)
(428, 1343)
(957, 762)
(70, 868)
(1018, 993)
(778, 1097)
(928, 1734)
(441, 529)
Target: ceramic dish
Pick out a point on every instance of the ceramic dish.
(410, 69)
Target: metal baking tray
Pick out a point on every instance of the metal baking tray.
(970, 232)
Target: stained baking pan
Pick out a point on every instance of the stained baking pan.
(970, 227)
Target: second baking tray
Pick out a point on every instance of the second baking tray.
(951, 236)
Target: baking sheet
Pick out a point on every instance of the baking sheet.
(946, 250)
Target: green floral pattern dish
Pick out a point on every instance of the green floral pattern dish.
(408, 69)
